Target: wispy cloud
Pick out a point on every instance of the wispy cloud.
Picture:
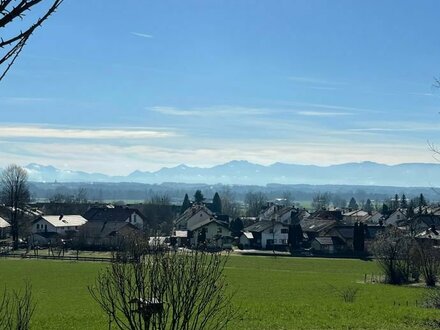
(21, 100)
(425, 94)
(209, 111)
(313, 80)
(68, 133)
(402, 126)
(323, 114)
(142, 35)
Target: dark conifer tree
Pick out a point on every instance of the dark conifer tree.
(185, 205)
(353, 205)
(198, 197)
(216, 204)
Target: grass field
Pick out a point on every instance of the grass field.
(272, 293)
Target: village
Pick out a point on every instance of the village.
(202, 225)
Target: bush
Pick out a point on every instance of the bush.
(347, 294)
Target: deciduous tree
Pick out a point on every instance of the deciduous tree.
(15, 195)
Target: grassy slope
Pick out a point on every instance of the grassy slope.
(274, 293)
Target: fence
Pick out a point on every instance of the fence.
(49, 257)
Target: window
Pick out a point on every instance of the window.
(219, 230)
(284, 231)
(134, 218)
(283, 241)
(38, 226)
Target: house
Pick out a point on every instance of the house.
(265, 235)
(48, 228)
(375, 217)
(280, 213)
(192, 217)
(355, 216)
(345, 234)
(429, 234)
(116, 214)
(396, 218)
(180, 238)
(4, 228)
(327, 244)
(334, 215)
(269, 211)
(105, 234)
(313, 227)
(297, 215)
(212, 233)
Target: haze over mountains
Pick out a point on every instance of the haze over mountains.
(246, 173)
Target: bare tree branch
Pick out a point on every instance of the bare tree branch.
(12, 10)
(149, 288)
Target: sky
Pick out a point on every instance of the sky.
(111, 88)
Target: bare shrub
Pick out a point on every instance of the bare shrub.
(150, 288)
(347, 294)
(432, 299)
(16, 309)
(427, 258)
(392, 250)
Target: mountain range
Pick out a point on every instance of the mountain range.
(246, 173)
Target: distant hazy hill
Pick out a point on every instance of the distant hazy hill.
(243, 172)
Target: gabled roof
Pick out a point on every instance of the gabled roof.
(327, 215)
(4, 223)
(429, 233)
(63, 221)
(347, 232)
(101, 229)
(193, 210)
(259, 226)
(429, 219)
(356, 213)
(207, 222)
(111, 214)
(316, 225)
(329, 240)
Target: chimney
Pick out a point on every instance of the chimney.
(61, 216)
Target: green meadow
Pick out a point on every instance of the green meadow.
(270, 293)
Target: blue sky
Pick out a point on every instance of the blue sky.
(111, 88)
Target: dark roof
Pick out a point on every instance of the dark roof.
(373, 231)
(111, 214)
(327, 215)
(329, 240)
(429, 219)
(49, 234)
(105, 228)
(316, 225)
(208, 221)
(347, 232)
(259, 226)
